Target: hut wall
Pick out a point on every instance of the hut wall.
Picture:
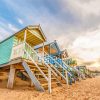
(6, 50)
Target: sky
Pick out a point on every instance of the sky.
(75, 24)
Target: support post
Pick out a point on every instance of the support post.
(43, 51)
(31, 83)
(24, 42)
(25, 36)
(66, 73)
(49, 80)
(49, 49)
(11, 77)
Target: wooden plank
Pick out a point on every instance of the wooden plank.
(25, 35)
(43, 51)
(32, 77)
(31, 83)
(37, 66)
(11, 77)
(14, 61)
(5, 50)
(53, 66)
(49, 79)
(66, 74)
(17, 51)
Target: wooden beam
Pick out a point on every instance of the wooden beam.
(14, 61)
(11, 77)
(35, 35)
(25, 35)
(49, 79)
(66, 73)
(33, 77)
(43, 51)
(31, 84)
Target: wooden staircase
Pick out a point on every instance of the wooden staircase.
(42, 75)
(44, 83)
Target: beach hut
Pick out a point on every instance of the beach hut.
(11, 47)
(55, 56)
(52, 49)
(17, 53)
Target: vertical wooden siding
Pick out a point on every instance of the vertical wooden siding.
(5, 50)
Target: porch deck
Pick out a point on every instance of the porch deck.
(17, 62)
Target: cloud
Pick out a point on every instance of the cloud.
(6, 28)
(87, 47)
(86, 11)
(3, 33)
(20, 21)
(12, 27)
(52, 23)
(74, 23)
(83, 8)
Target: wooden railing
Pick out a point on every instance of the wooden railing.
(25, 50)
(17, 51)
(32, 53)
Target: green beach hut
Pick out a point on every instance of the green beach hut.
(17, 53)
(12, 47)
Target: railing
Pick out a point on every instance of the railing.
(39, 59)
(17, 51)
(33, 56)
(60, 63)
(26, 51)
(32, 53)
(52, 61)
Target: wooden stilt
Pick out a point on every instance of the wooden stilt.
(49, 80)
(25, 36)
(31, 83)
(43, 51)
(11, 77)
(66, 73)
(33, 77)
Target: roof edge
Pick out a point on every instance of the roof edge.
(38, 26)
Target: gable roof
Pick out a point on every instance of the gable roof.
(48, 44)
(53, 44)
(30, 27)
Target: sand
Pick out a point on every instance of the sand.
(88, 89)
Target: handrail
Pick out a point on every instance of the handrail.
(67, 65)
(77, 71)
(63, 63)
(73, 68)
(44, 62)
(35, 62)
(57, 63)
(17, 51)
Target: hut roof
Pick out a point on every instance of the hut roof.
(31, 34)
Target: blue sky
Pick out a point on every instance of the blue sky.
(72, 23)
(24, 12)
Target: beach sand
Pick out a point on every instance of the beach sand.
(88, 89)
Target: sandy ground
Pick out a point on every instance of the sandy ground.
(88, 89)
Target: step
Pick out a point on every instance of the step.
(39, 74)
(36, 70)
(46, 84)
(40, 79)
(32, 77)
(29, 62)
(41, 67)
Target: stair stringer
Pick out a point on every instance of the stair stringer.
(35, 81)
